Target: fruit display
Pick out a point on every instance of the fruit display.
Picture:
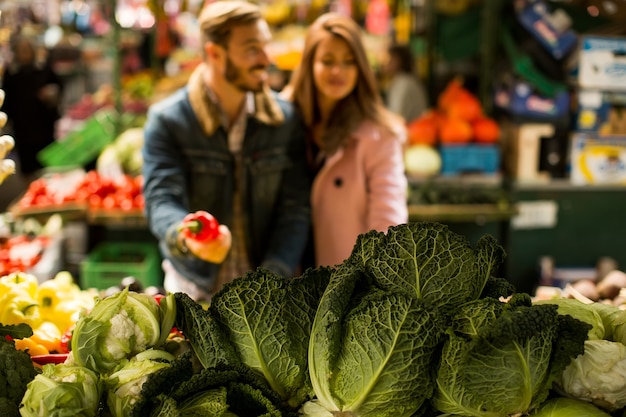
(460, 132)
(457, 119)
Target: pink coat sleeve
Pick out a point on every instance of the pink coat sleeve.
(386, 181)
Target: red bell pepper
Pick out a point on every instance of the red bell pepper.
(66, 340)
(200, 226)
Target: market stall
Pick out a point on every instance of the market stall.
(495, 299)
(413, 322)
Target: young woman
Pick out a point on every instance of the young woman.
(355, 145)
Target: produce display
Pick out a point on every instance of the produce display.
(22, 252)
(82, 191)
(457, 120)
(7, 166)
(414, 322)
(50, 309)
(17, 369)
(26, 245)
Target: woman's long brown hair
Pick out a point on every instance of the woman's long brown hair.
(364, 102)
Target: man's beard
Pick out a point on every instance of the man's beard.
(233, 75)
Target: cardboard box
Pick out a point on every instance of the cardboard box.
(551, 29)
(602, 112)
(602, 63)
(523, 148)
(598, 159)
(522, 100)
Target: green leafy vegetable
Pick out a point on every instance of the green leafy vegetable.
(117, 328)
(581, 311)
(219, 391)
(208, 341)
(124, 384)
(16, 370)
(370, 350)
(568, 407)
(597, 376)
(15, 331)
(501, 359)
(613, 320)
(160, 384)
(62, 390)
(428, 261)
(260, 316)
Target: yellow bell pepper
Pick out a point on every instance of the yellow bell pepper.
(18, 306)
(48, 335)
(31, 347)
(61, 300)
(19, 280)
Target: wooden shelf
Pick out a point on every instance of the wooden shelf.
(478, 213)
(117, 218)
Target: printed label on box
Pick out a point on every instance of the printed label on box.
(602, 63)
(598, 160)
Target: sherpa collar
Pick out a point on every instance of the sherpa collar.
(266, 109)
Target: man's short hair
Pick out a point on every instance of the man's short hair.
(218, 18)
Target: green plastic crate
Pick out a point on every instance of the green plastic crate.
(85, 144)
(110, 262)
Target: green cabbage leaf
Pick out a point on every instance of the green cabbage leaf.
(119, 327)
(568, 407)
(597, 376)
(501, 359)
(428, 261)
(370, 350)
(62, 390)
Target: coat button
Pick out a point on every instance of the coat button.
(338, 182)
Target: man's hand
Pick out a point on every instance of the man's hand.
(211, 250)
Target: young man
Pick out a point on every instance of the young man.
(227, 145)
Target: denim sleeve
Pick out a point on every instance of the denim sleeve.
(290, 235)
(164, 187)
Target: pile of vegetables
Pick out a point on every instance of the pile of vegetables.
(414, 323)
(113, 349)
(93, 191)
(16, 369)
(599, 375)
(50, 309)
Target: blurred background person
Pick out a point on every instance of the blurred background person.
(33, 94)
(405, 94)
(354, 144)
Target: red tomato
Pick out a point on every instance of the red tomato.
(95, 201)
(127, 203)
(109, 202)
(139, 201)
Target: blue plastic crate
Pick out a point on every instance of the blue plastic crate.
(482, 159)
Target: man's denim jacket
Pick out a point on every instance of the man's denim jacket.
(188, 167)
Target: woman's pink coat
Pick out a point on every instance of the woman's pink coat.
(361, 187)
